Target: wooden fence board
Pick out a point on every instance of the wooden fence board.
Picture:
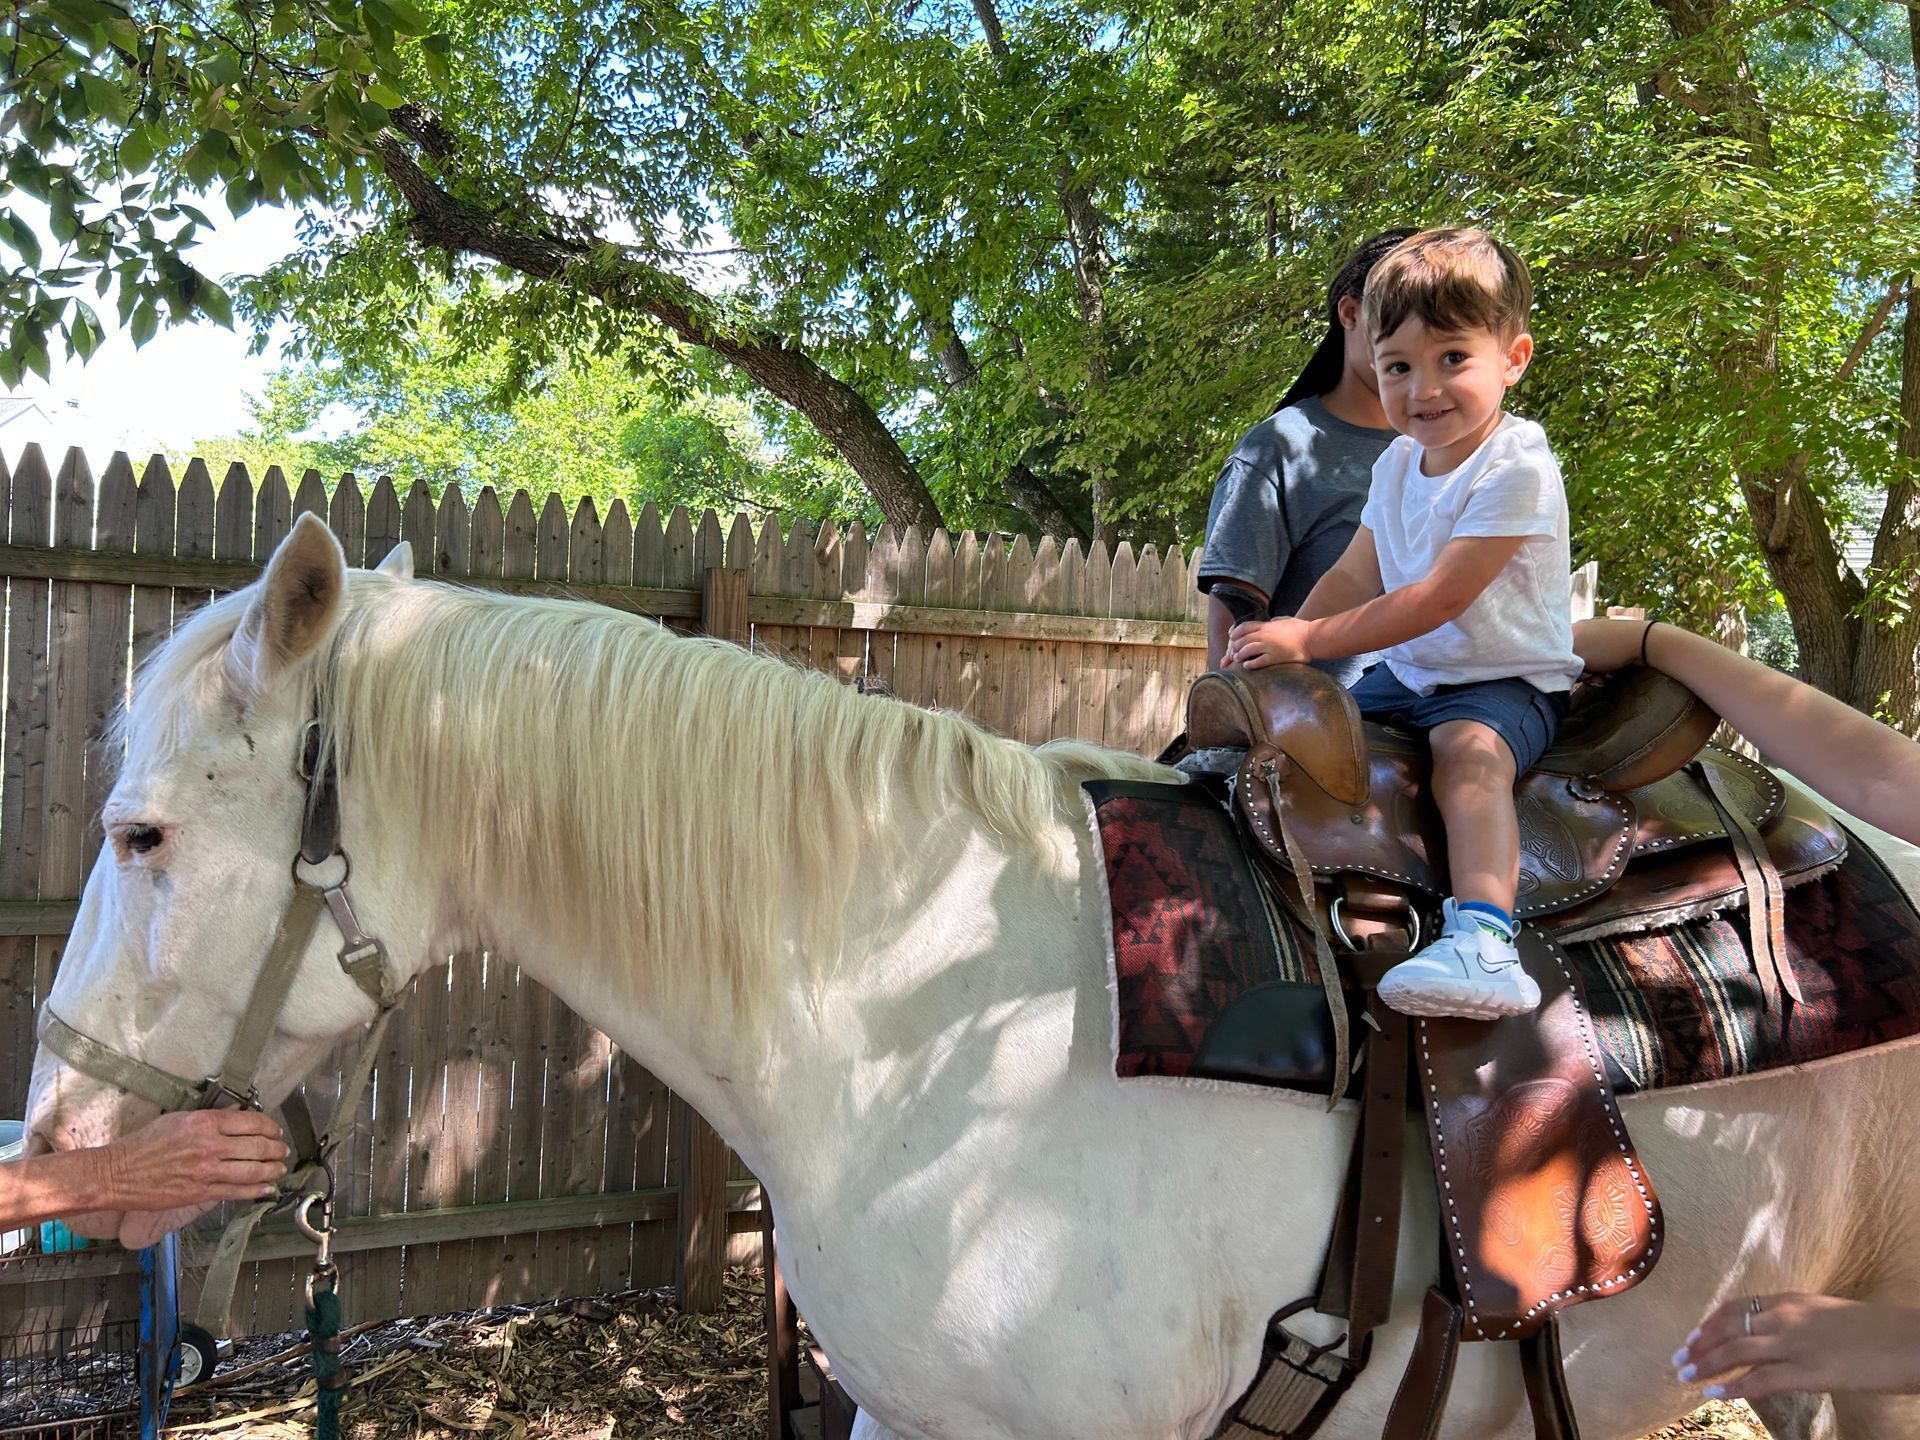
(193, 532)
(911, 680)
(110, 621)
(616, 545)
(347, 514)
(823, 579)
(63, 839)
(23, 790)
(487, 538)
(272, 514)
(649, 547)
(384, 523)
(452, 528)
(153, 535)
(311, 496)
(417, 514)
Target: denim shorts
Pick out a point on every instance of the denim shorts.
(1524, 717)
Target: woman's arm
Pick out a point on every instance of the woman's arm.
(1864, 767)
(196, 1157)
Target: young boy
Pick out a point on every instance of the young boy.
(1459, 574)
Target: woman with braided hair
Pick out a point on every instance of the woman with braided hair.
(1288, 499)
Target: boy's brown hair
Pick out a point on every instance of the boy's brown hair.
(1453, 279)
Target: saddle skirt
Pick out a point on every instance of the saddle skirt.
(1214, 983)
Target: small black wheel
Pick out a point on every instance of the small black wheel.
(199, 1353)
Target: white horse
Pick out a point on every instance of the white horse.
(865, 940)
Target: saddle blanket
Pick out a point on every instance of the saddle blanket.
(1193, 932)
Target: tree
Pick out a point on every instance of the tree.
(436, 410)
(1036, 266)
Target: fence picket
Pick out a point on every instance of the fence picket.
(193, 532)
(616, 545)
(679, 572)
(417, 525)
(23, 790)
(823, 644)
(452, 534)
(384, 523)
(649, 548)
(311, 496)
(347, 514)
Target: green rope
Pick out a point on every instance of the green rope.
(329, 1375)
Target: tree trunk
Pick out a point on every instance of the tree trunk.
(1086, 236)
(1886, 678)
(1865, 659)
(837, 410)
(1028, 492)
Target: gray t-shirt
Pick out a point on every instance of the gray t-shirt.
(1286, 505)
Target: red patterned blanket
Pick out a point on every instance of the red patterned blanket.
(1193, 931)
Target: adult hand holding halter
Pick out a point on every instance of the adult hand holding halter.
(1792, 1342)
(179, 1160)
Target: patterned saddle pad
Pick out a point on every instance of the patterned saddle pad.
(1193, 933)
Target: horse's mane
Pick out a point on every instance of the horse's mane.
(600, 771)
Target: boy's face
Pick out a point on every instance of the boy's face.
(1444, 387)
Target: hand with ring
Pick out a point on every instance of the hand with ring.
(1802, 1343)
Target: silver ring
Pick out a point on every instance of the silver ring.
(1753, 1309)
(1352, 945)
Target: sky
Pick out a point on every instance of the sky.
(189, 382)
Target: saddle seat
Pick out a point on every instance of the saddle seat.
(1628, 784)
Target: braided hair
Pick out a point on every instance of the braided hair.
(1324, 367)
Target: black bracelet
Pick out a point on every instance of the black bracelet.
(1644, 634)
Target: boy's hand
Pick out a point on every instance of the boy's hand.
(1282, 641)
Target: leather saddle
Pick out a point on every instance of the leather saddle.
(1630, 821)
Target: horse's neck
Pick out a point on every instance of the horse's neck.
(947, 925)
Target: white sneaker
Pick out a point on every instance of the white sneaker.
(1469, 973)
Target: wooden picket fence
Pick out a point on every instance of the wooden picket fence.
(506, 1151)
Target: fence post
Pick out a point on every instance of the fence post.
(702, 1256)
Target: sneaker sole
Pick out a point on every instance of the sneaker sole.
(1473, 1004)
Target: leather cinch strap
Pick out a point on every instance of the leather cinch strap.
(1264, 763)
(1766, 894)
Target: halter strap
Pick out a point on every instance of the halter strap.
(103, 1062)
(362, 957)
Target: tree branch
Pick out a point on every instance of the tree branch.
(604, 271)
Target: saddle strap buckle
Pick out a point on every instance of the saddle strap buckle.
(1415, 932)
(215, 1089)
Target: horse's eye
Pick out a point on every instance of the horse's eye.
(143, 839)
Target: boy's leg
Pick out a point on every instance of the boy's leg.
(1473, 970)
(1473, 786)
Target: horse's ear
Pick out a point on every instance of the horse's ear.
(399, 562)
(294, 608)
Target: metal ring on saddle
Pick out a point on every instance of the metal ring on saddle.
(1414, 933)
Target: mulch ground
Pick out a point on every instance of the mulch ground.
(625, 1367)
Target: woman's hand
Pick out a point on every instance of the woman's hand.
(1258, 643)
(1608, 644)
(193, 1157)
(1812, 1343)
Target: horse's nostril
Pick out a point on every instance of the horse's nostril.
(37, 1144)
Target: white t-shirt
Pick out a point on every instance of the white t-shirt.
(1521, 627)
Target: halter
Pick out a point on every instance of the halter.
(362, 957)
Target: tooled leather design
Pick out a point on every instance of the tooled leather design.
(1542, 1196)
(1676, 812)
